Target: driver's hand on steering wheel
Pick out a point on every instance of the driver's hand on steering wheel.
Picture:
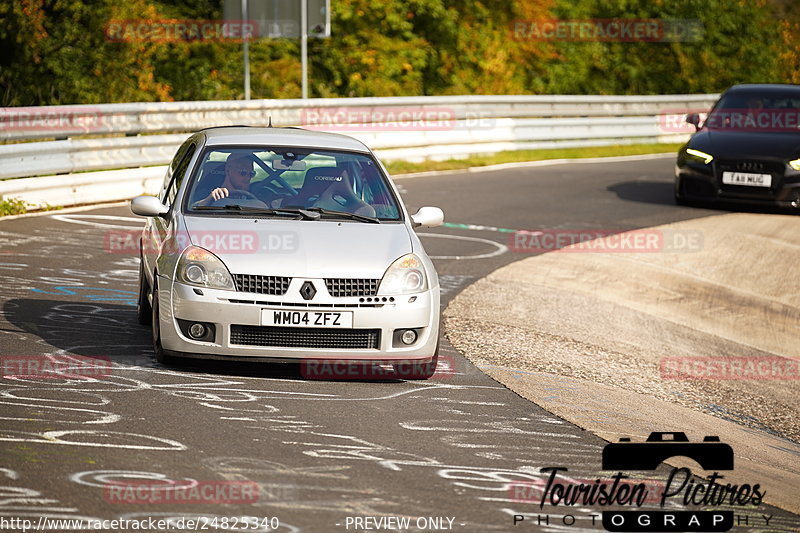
(218, 194)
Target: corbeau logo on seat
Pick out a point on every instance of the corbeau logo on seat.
(328, 178)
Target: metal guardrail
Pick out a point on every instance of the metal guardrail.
(127, 136)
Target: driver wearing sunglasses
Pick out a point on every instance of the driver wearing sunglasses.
(238, 173)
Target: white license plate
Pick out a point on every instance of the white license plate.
(307, 319)
(747, 178)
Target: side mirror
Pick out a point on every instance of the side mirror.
(148, 206)
(428, 216)
(694, 120)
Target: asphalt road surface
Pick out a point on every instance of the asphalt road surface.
(459, 452)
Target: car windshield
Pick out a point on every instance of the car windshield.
(242, 181)
(752, 111)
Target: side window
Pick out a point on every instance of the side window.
(180, 153)
(178, 173)
(167, 178)
(171, 169)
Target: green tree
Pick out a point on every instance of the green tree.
(740, 43)
(56, 52)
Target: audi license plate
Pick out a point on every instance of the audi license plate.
(307, 319)
(747, 178)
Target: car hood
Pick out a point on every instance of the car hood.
(736, 144)
(306, 248)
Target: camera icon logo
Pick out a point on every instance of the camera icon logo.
(711, 454)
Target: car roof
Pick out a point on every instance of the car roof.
(298, 137)
(765, 88)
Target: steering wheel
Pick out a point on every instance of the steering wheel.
(264, 187)
(242, 194)
(239, 194)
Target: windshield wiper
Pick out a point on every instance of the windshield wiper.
(345, 214)
(290, 211)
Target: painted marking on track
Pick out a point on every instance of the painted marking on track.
(55, 437)
(501, 248)
(11, 474)
(477, 227)
(76, 219)
(480, 227)
(13, 266)
(104, 478)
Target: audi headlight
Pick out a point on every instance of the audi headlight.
(404, 276)
(697, 155)
(198, 266)
(795, 164)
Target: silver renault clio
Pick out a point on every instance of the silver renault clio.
(282, 244)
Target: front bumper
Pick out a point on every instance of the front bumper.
(703, 183)
(233, 310)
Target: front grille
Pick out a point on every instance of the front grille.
(746, 165)
(343, 287)
(305, 337)
(274, 285)
(306, 305)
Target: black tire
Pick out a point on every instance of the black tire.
(144, 313)
(416, 371)
(161, 355)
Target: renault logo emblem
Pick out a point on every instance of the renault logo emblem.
(307, 291)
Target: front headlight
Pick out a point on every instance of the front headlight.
(197, 266)
(697, 155)
(795, 164)
(405, 276)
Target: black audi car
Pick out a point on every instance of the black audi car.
(747, 150)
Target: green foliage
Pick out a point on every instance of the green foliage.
(12, 206)
(740, 44)
(56, 51)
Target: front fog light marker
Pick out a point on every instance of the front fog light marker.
(795, 164)
(409, 336)
(197, 330)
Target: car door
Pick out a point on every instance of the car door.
(159, 230)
